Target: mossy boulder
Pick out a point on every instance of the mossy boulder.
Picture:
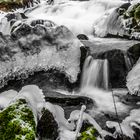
(17, 122)
(7, 5)
(137, 13)
(90, 134)
(133, 12)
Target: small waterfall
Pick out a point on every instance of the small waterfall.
(95, 73)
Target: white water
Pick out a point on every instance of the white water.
(95, 73)
(78, 16)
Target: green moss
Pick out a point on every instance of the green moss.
(89, 134)
(11, 1)
(17, 122)
(8, 5)
(137, 13)
(132, 11)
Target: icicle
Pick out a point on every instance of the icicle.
(80, 121)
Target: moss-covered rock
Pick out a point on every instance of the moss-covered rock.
(17, 122)
(90, 134)
(7, 5)
(137, 13)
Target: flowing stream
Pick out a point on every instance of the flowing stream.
(95, 73)
(80, 17)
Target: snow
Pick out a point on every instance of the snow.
(132, 120)
(6, 97)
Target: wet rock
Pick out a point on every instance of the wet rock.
(82, 37)
(68, 102)
(125, 6)
(23, 30)
(46, 23)
(17, 16)
(47, 127)
(135, 52)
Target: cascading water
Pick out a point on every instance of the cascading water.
(95, 73)
(71, 13)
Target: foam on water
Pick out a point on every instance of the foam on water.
(78, 16)
(103, 101)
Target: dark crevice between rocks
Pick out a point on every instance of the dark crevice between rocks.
(44, 79)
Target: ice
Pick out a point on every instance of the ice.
(133, 79)
(6, 97)
(31, 93)
(133, 120)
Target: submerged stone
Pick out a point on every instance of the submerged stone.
(82, 37)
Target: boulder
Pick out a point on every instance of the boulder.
(47, 127)
(135, 52)
(82, 37)
(27, 51)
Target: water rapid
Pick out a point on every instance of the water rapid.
(95, 73)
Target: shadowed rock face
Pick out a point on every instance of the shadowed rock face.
(38, 46)
(47, 127)
(135, 52)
